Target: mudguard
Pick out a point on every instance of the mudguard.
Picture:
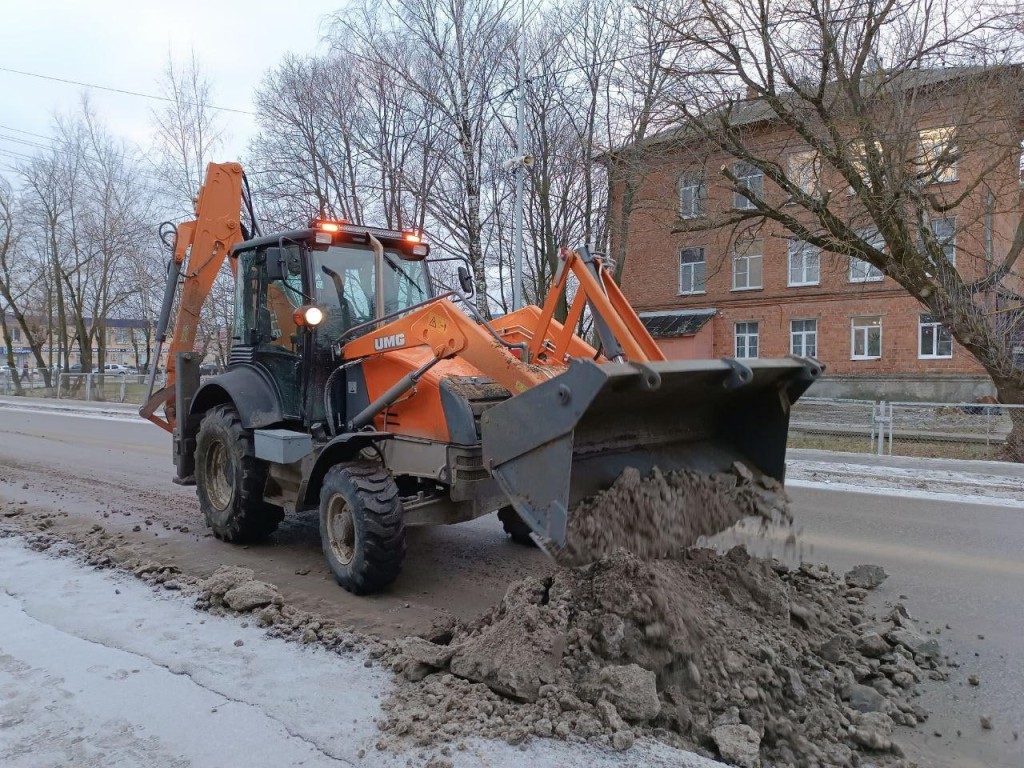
(251, 390)
(344, 447)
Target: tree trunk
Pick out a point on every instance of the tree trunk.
(12, 365)
(1011, 392)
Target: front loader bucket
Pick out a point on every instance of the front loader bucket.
(572, 436)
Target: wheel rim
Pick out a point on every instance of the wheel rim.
(341, 529)
(219, 476)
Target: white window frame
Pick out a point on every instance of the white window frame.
(803, 334)
(804, 169)
(691, 291)
(869, 273)
(742, 202)
(937, 330)
(804, 250)
(854, 328)
(746, 336)
(945, 243)
(859, 160)
(933, 143)
(694, 182)
(747, 252)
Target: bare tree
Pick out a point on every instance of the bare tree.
(874, 106)
(458, 47)
(7, 244)
(187, 129)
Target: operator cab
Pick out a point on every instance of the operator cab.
(299, 292)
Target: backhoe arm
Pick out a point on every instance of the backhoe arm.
(200, 247)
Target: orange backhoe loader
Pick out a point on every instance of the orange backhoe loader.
(353, 388)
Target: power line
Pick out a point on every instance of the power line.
(123, 91)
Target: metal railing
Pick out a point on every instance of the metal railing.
(105, 387)
(937, 430)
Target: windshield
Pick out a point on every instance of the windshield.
(344, 284)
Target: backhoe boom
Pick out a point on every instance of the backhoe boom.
(200, 247)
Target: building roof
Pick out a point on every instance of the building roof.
(752, 111)
(675, 322)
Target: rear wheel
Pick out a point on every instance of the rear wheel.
(230, 480)
(361, 526)
(515, 527)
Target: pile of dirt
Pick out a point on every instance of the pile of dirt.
(664, 514)
(738, 657)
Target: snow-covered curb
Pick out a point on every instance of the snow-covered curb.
(919, 482)
(111, 411)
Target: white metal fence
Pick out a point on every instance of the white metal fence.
(105, 387)
(941, 430)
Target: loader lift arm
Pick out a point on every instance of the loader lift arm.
(200, 247)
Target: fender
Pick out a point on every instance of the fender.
(252, 392)
(342, 448)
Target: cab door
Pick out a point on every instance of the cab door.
(265, 326)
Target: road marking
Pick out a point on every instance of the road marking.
(910, 493)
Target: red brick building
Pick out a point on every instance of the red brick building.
(758, 292)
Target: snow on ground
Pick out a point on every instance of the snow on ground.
(921, 481)
(97, 669)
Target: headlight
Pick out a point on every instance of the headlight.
(314, 316)
(308, 316)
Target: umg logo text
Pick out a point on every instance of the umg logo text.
(389, 342)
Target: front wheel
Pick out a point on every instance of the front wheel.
(361, 526)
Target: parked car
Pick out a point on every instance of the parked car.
(122, 370)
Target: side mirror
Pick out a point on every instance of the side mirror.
(277, 268)
(466, 281)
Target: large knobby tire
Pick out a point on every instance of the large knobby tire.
(361, 526)
(230, 480)
(515, 527)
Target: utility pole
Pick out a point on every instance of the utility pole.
(517, 240)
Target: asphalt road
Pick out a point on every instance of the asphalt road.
(954, 564)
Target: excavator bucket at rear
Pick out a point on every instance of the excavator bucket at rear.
(598, 419)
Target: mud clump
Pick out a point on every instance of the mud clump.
(664, 514)
(731, 655)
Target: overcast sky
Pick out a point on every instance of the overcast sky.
(124, 44)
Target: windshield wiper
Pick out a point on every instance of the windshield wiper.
(404, 274)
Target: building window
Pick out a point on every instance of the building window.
(15, 334)
(750, 177)
(803, 338)
(746, 339)
(804, 263)
(859, 161)
(805, 171)
(866, 338)
(934, 341)
(692, 271)
(692, 194)
(862, 271)
(123, 336)
(746, 265)
(938, 155)
(944, 232)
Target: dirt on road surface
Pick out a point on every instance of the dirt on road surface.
(456, 570)
(733, 656)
